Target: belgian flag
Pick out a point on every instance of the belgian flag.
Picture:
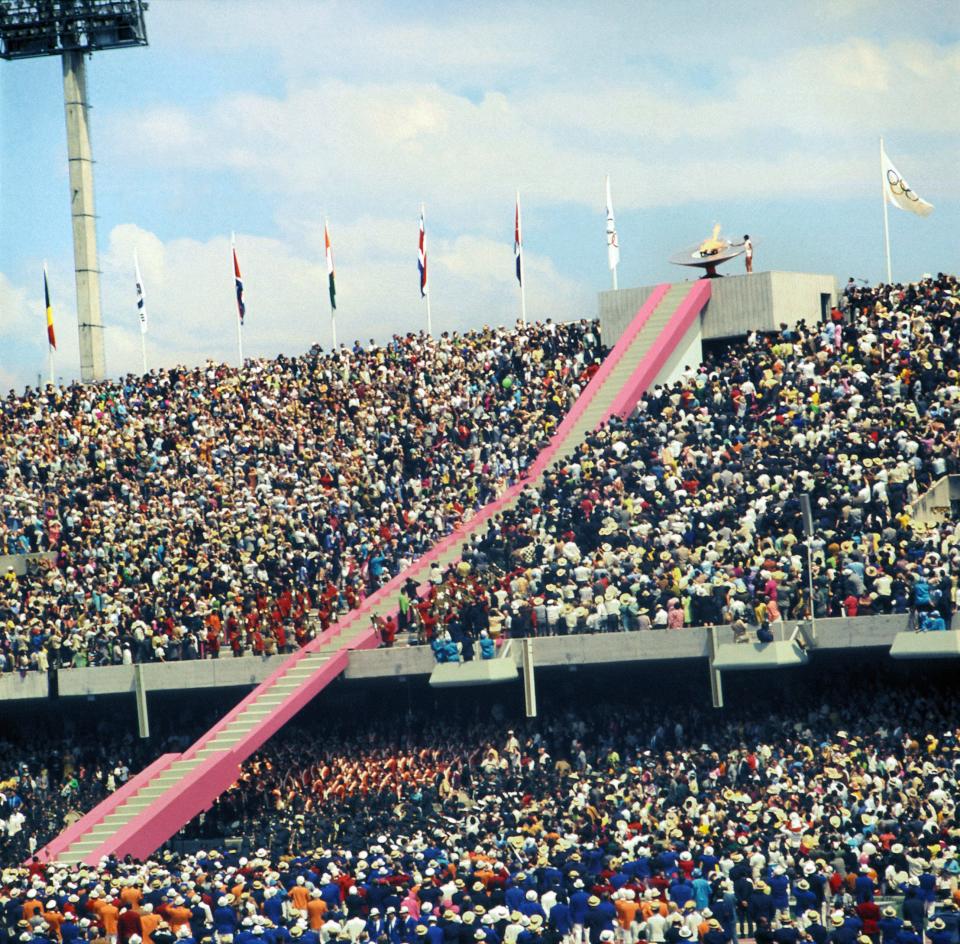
(51, 337)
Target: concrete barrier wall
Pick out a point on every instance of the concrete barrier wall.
(169, 676)
(20, 562)
(689, 643)
(739, 303)
(619, 308)
(934, 506)
(32, 685)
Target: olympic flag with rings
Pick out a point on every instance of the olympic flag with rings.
(898, 191)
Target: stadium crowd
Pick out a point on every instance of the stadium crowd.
(688, 513)
(207, 512)
(608, 822)
(203, 512)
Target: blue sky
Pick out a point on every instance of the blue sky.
(264, 118)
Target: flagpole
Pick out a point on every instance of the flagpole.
(333, 311)
(46, 288)
(233, 247)
(141, 310)
(523, 278)
(886, 220)
(425, 284)
(613, 268)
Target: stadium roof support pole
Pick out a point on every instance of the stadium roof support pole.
(80, 156)
(143, 715)
(716, 679)
(529, 680)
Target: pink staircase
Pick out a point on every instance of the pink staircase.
(153, 806)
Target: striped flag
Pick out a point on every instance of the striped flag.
(331, 275)
(518, 242)
(241, 307)
(51, 337)
(422, 255)
(141, 296)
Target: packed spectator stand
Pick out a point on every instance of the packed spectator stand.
(825, 820)
(184, 506)
(213, 511)
(226, 524)
(688, 513)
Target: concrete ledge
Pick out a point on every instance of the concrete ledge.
(384, 663)
(859, 632)
(656, 645)
(168, 676)
(477, 672)
(911, 645)
(32, 685)
(773, 655)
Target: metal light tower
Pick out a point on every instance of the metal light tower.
(71, 29)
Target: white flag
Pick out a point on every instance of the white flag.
(613, 245)
(141, 296)
(898, 191)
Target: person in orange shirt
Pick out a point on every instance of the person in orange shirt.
(316, 911)
(131, 896)
(627, 908)
(32, 906)
(300, 896)
(54, 919)
(178, 915)
(148, 922)
(108, 913)
(651, 904)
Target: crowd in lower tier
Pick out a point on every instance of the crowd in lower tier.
(827, 820)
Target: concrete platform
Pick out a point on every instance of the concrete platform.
(771, 655)
(911, 645)
(739, 304)
(477, 672)
(411, 661)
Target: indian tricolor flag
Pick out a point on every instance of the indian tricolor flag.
(331, 275)
(51, 336)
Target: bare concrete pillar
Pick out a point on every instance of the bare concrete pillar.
(80, 156)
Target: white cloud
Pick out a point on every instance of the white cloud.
(775, 127)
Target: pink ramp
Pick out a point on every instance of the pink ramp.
(167, 795)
